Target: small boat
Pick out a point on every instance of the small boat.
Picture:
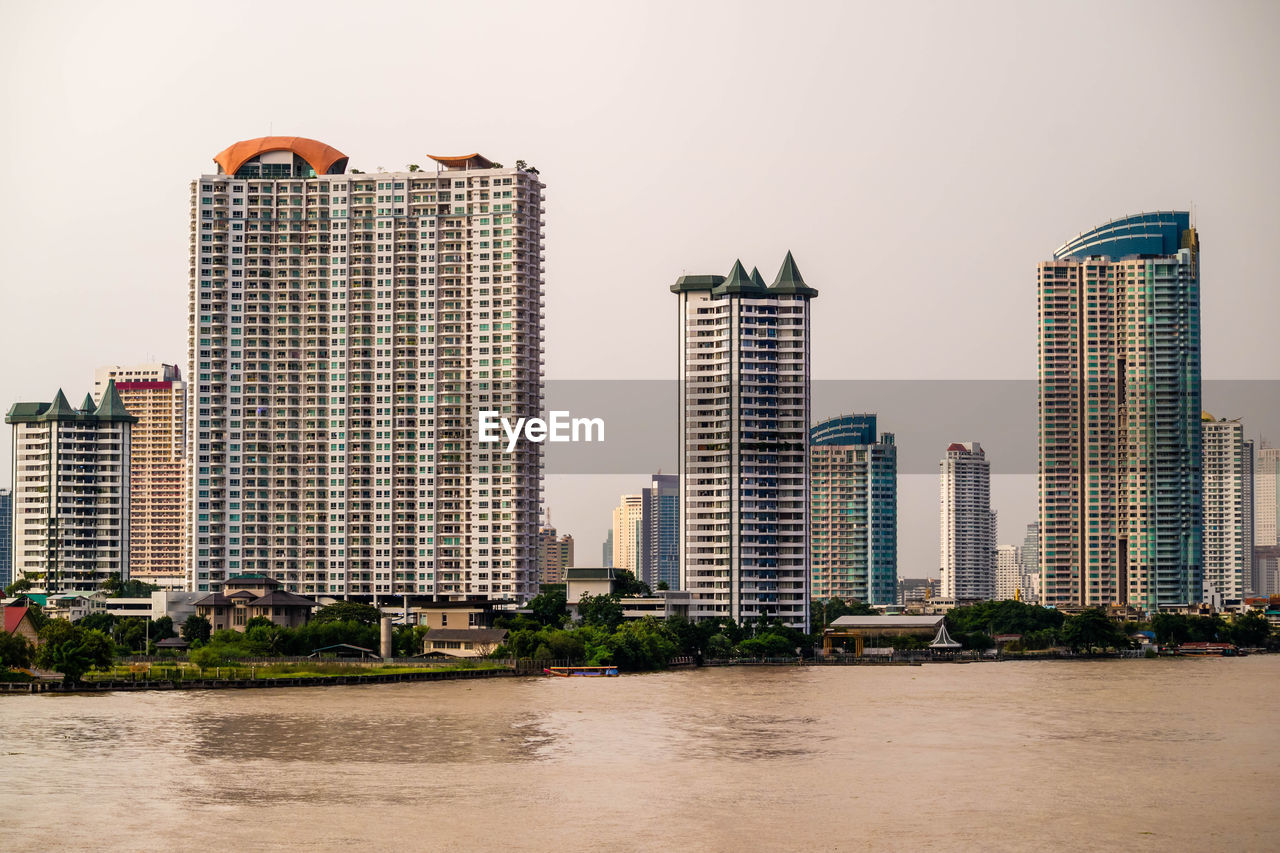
(580, 671)
(1209, 650)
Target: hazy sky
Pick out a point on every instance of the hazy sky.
(918, 158)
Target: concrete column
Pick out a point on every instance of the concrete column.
(385, 649)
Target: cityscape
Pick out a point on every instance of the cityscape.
(457, 440)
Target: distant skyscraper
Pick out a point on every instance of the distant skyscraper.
(555, 554)
(660, 532)
(71, 492)
(6, 538)
(744, 455)
(1266, 478)
(606, 559)
(346, 331)
(1119, 368)
(853, 509)
(156, 395)
(627, 518)
(1008, 572)
(1228, 525)
(1030, 556)
(968, 525)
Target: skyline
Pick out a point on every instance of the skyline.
(934, 196)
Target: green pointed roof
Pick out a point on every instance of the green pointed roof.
(59, 409)
(112, 407)
(756, 278)
(789, 279)
(87, 405)
(739, 282)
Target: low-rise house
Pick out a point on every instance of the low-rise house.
(246, 597)
(17, 620)
(76, 605)
(463, 642)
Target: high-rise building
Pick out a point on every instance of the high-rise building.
(744, 454)
(1228, 522)
(71, 492)
(1119, 434)
(1266, 479)
(968, 529)
(660, 531)
(1008, 572)
(1030, 556)
(347, 330)
(627, 518)
(6, 538)
(606, 557)
(853, 511)
(156, 395)
(1251, 576)
(555, 554)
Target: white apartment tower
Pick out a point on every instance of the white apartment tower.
(968, 530)
(345, 331)
(1008, 572)
(1228, 523)
(744, 456)
(71, 492)
(156, 395)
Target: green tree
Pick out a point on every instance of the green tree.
(71, 650)
(1250, 629)
(21, 585)
(196, 629)
(162, 629)
(15, 651)
(663, 586)
(101, 621)
(626, 583)
(719, 647)
(1090, 630)
(548, 607)
(348, 611)
(822, 612)
(135, 589)
(602, 611)
(1171, 629)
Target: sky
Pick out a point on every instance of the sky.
(919, 159)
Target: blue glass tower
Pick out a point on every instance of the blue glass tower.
(1119, 436)
(853, 507)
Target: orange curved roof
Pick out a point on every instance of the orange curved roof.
(319, 156)
(459, 161)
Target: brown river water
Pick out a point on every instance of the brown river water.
(1130, 755)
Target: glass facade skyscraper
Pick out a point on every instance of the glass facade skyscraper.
(853, 510)
(660, 532)
(1119, 415)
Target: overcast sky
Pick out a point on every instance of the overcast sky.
(918, 158)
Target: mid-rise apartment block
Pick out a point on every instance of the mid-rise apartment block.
(346, 331)
(744, 452)
(968, 526)
(156, 395)
(555, 554)
(853, 510)
(1228, 511)
(1119, 411)
(660, 532)
(71, 492)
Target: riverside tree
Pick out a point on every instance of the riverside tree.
(72, 650)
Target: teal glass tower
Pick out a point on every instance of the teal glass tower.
(1119, 416)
